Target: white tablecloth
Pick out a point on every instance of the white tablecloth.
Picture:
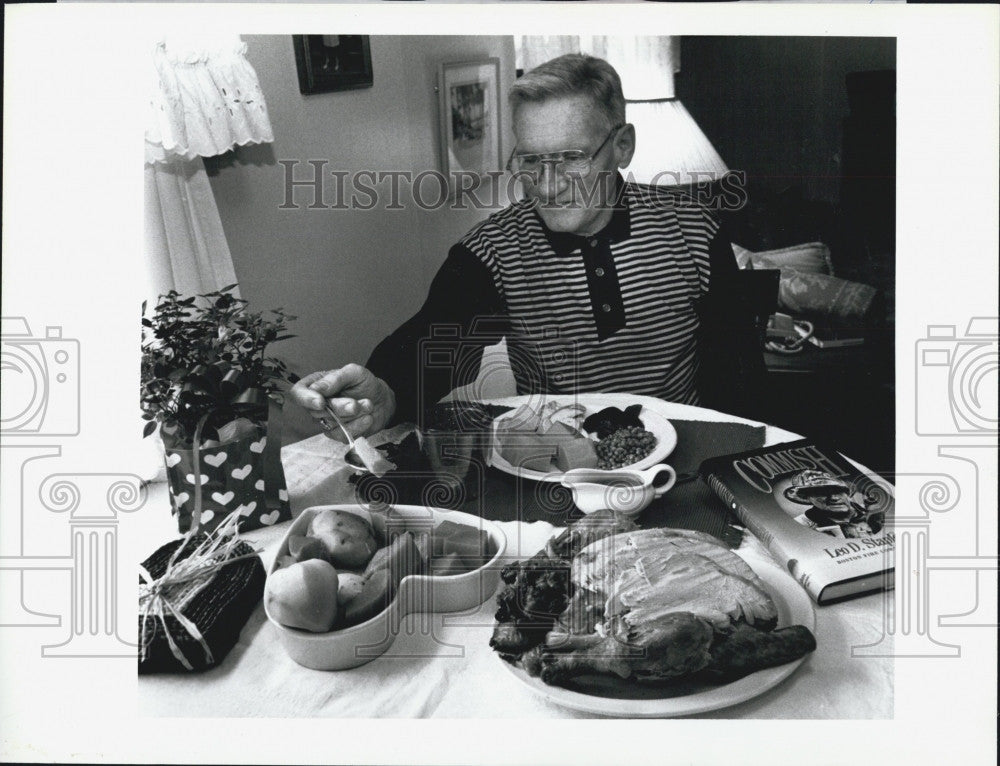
(450, 670)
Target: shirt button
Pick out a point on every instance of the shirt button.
(593, 243)
(599, 271)
(606, 308)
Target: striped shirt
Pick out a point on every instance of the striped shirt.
(624, 311)
(612, 312)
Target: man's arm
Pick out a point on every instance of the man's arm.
(731, 360)
(418, 370)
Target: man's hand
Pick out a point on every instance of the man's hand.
(364, 403)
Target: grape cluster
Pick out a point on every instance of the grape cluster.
(624, 447)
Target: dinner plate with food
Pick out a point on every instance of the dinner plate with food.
(542, 437)
(614, 620)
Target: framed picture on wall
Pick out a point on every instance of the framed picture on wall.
(328, 63)
(469, 98)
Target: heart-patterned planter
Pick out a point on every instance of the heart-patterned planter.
(231, 479)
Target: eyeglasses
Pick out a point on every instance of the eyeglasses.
(569, 162)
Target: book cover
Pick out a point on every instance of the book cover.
(828, 522)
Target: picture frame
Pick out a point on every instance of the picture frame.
(329, 63)
(470, 130)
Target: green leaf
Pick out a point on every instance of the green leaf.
(148, 428)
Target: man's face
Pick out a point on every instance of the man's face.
(578, 205)
(837, 504)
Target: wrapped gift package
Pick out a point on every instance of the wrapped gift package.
(195, 623)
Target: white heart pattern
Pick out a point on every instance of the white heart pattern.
(246, 510)
(173, 459)
(180, 499)
(190, 479)
(206, 516)
(269, 518)
(242, 473)
(283, 495)
(223, 499)
(259, 486)
(217, 459)
(258, 446)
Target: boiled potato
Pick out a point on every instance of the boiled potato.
(349, 539)
(374, 596)
(350, 585)
(304, 547)
(401, 558)
(303, 595)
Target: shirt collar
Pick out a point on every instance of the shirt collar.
(619, 228)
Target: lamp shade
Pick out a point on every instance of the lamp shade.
(646, 65)
(670, 148)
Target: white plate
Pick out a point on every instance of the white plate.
(633, 700)
(652, 421)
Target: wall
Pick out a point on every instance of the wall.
(350, 277)
(774, 106)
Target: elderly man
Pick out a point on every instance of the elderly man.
(597, 284)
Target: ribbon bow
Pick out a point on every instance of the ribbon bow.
(223, 392)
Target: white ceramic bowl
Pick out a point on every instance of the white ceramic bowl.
(358, 644)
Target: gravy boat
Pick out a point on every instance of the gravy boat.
(625, 491)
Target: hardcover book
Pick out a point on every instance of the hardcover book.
(828, 522)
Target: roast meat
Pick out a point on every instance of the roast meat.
(653, 605)
(651, 572)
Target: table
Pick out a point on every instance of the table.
(450, 670)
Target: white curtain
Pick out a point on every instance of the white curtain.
(645, 64)
(186, 248)
(204, 99)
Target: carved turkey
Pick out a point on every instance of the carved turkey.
(650, 572)
(662, 604)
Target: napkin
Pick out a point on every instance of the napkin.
(691, 504)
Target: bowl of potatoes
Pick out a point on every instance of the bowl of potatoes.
(344, 577)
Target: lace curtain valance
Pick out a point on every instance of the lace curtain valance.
(204, 99)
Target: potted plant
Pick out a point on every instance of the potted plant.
(207, 384)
